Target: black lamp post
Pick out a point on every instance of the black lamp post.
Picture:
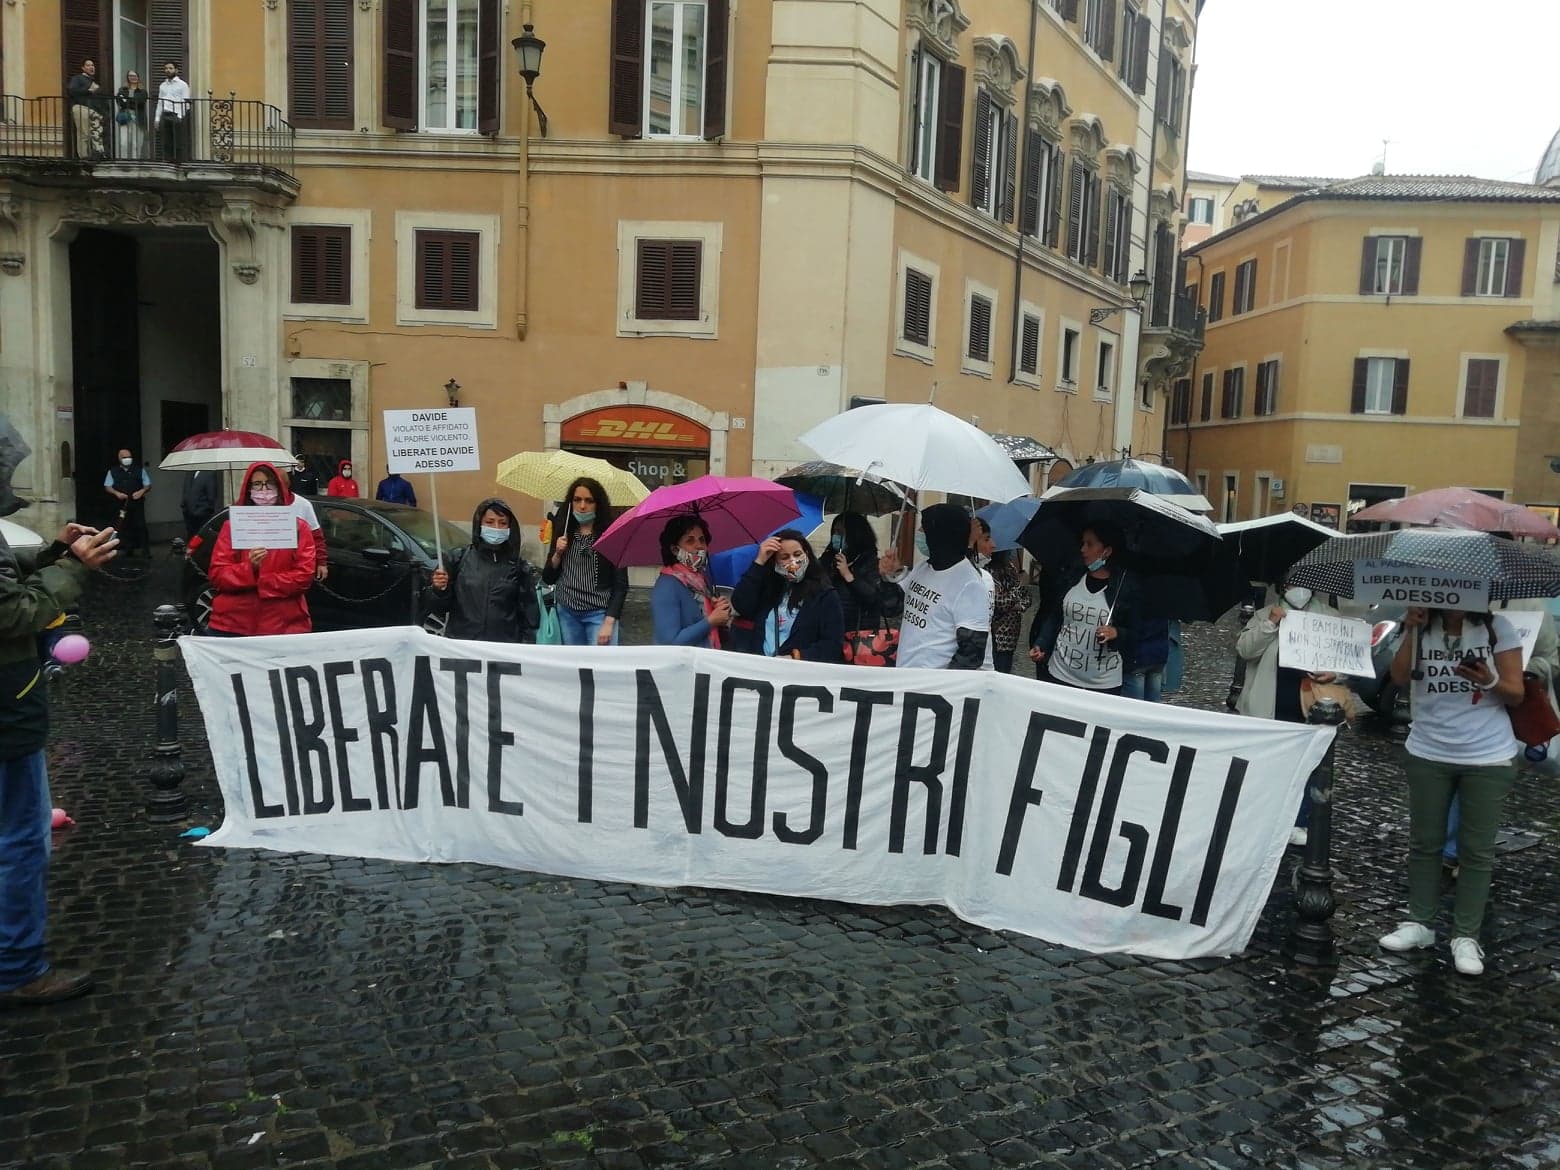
(1137, 289)
(528, 48)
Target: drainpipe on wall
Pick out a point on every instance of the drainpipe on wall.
(523, 205)
(1196, 362)
(1018, 212)
(1148, 203)
(1186, 154)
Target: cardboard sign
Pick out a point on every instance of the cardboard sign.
(1319, 643)
(1412, 585)
(432, 441)
(257, 527)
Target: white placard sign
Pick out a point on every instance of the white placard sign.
(260, 527)
(1412, 585)
(1320, 643)
(431, 441)
(1526, 622)
(1091, 820)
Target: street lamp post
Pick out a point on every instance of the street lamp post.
(1311, 941)
(166, 801)
(528, 48)
(1137, 289)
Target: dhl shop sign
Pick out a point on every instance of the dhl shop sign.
(637, 427)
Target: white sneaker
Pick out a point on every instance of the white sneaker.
(1298, 837)
(1411, 936)
(1468, 956)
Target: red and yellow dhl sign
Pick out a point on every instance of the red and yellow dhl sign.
(635, 426)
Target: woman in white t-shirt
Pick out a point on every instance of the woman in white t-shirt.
(1088, 637)
(1465, 670)
(947, 617)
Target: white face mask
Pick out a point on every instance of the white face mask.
(127, 462)
(981, 560)
(346, 473)
(1297, 598)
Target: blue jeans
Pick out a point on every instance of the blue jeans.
(1146, 684)
(581, 626)
(25, 812)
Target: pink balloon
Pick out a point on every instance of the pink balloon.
(61, 819)
(71, 648)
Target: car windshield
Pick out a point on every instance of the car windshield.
(419, 526)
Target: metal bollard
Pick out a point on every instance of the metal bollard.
(166, 802)
(1311, 941)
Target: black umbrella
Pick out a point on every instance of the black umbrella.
(1511, 570)
(13, 449)
(1182, 568)
(842, 489)
(1267, 547)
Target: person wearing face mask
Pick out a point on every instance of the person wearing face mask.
(590, 590)
(487, 591)
(1272, 691)
(786, 605)
(867, 601)
(1009, 597)
(127, 484)
(1087, 638)
(260, 590)
(684, 608)
(947, 618)
(342, 484)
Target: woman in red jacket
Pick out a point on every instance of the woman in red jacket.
(342, 483)
(262, 590)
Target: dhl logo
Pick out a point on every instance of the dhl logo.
(617, 428)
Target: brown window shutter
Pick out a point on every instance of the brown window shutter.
(1479, 394)
(980, 148)
(651, 278)
(717, 31)
(1357, 391)
(319, 64)
(1110, 238)
(625, 109)
(1205, 411)
(1107, 35)
(1400, 386)
(950, 128)
(1008, 187)
(1069, 9)
(1140, 57)
(1514, 258)
(1162, 87)
(1368, 267)
(1053, 227)
(1470, 279)
(304, 52)
(682, 291)
(918, 307)
(84, 34)
(322, 265)
(1093, 237)
(167, 38)
(1034, 175)
(1412, 249)
(980, 329)
(1075, 198)
(400, 65)
(1216, 296)
(447, 270)
(1029, 348)
(490, 23)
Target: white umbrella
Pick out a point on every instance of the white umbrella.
(921, 447)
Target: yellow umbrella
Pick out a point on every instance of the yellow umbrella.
(546, 475)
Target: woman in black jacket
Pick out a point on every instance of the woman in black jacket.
(786, 608)
(486, 590)
(590, 588)
(867, 602)
(1087, 640)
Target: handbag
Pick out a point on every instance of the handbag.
(1533, 721)
(123, 117)
(872, 647)
(549, 632)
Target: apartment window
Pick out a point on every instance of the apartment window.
(668, 278)
(918, 308)
(1083, 215)
(1181, 402)
(1069, 370)
(454, 42)
(321, 265)
(923, 117)
(1216, 296)
(1233, 401)
(1492, 268)
(448, 267)
(1205, 411)
(1029, 346)
(1041, 216)
(1106, 376)
(319, 64)
(668, 68)
(977, 332)
(1231, 496)
(1480, 386)
(1389, 266)
(1132, 66)
(1146, 395)
(1245, 288)
(1200, 210)
(322, 399)
(1267, 387)
(1099, 26)
(1118, 235)
(666, 282)
(994, 158)
(1380, 386)
(1171, 95)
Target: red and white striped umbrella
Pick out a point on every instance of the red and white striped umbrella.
(225, 451)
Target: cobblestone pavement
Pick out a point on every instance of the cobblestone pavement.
(258, 1009)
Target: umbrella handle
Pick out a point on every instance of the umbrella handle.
(1418, 671)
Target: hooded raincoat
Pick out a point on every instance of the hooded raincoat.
(492, 591)
(343, 485)
(271, 598)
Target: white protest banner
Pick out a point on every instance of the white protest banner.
(1526, 622)
(1090, 820)
(1319, 643)
(1413, 585)
(432, 441)
(259, 527)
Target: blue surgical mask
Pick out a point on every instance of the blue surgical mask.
(495, 535)
(585, 517)
(1095, 566)
(920, 544)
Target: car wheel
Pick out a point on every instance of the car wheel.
(1386, 700)
(199, 610)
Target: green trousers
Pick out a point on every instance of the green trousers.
(1483, 789)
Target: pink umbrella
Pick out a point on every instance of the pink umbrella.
(1460, 507)
(738, 509)
(224, 451)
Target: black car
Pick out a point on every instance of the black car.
(380, 556)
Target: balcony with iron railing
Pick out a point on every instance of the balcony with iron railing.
(1178, 313)
(86, 141)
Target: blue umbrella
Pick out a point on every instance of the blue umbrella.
(726, 568)
(1153, 478)
(1008, 520)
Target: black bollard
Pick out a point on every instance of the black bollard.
(166, 802)
(1311, 941)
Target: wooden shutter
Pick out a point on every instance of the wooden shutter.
(1092, 227)
(1470, 279)
(167, 37)
(667, 280)
(1029, 346)
(625, 115)
(1205, 411)
(1479, 393)
(1216, 296)
(980, 329)
(1162, 86)
(918, 307)
(1053, 214)
(1008, 176)
(1107, 30)
(1514, 257)
(1034, 175)
(84, 34)
(447, 270)
(1069, 9)
(1140, 56)
(980, 150)
(1075, 195)
(1413, 247)
(1400, 386)
(321, 265)
(717, 31)
(319, 64)
(490, 23)
(1357, 392)
(1368, 267)
(1110, 237)
(400, 65)
(950, 128)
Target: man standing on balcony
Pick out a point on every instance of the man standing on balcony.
(173, 103)
(85, 117)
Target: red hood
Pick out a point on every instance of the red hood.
(341, 464)
(285, 496)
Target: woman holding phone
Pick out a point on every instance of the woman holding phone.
(850, 565)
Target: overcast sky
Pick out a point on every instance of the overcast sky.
(1313, 88)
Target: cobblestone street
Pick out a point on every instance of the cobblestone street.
(257, 1009)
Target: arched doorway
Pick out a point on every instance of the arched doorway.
(661, 438)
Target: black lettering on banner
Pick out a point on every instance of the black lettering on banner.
(460, 668)
(284, 738)
(1223, 820)
(425, 736)
(906, 772)
(860, 740)
(1025, 794)
(753, 827)
(587, 743)
(341, 735)
(256, 795)
(961, 776)
(1164, 848)
(1087, 784)
(379, 700)
(809, 763)
(309, 738)
(1136, 835)
(498, 739)
(689, 785)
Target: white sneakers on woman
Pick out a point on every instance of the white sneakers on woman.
(1467, 954)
